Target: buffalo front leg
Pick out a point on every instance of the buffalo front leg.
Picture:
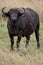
(12, 42)
(18, 42)
(27, 41)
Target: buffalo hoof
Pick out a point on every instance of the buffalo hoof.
(38, 46)
(17, 47)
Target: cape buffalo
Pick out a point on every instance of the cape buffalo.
(22, 22)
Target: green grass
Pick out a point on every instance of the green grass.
(29, 56)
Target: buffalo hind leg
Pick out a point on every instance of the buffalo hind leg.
(18, 42)
(37, 35)
(27, 41)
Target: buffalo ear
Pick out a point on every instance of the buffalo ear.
(20, 11)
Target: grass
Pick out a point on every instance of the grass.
(29, 56)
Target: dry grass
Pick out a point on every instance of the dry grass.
(13, 58)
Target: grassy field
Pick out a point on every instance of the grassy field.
(29, 56)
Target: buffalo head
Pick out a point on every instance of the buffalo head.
(13, 14)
